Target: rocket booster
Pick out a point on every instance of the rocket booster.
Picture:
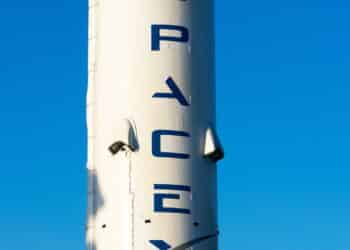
(152, 144)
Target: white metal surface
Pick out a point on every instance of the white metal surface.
(151, 126)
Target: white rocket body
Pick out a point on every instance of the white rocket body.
(151, 125)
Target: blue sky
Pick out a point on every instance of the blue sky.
(283, 114)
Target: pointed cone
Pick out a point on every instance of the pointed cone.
(212, 148)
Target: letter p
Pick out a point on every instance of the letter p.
(157, 37)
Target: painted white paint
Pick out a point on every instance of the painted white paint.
(132, 103)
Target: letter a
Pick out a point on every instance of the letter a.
(175, 93)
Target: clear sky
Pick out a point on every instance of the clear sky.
(283, 114)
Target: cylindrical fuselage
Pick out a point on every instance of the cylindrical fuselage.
(151, 101)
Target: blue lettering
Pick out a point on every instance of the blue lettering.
(156, 144)
(160, 244)
(175, 93)
(160, 197)
(157, 37)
